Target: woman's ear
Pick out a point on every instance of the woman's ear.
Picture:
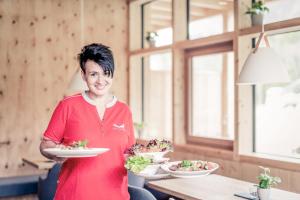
(83, 75)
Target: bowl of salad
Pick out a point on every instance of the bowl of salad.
(144, 167)
(190, 167)
(136, 164)
(155, 149)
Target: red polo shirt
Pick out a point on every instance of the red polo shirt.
(101, 177)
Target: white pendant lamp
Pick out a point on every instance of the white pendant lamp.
(77, 84)
(263, 66)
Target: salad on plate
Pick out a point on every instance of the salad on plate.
(187, 165)
(145, 167)
(155, 149)
(75, 150)
(137, 163)
(154, 145)
(80, 144)
(189, 168)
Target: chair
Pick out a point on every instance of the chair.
(137, 181)
(138, 193)
(47, 186)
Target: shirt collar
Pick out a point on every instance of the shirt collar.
(91, 101)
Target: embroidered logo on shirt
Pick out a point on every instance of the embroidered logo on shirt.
(119, 126)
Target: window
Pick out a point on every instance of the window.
(279, 8)
(277, 106)
(211, 98)
(208, 18)
(157, 23)
(151, 94)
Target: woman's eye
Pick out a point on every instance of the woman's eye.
(93, 75)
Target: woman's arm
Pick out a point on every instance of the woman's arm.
(49, 144)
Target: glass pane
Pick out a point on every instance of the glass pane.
(208, 18)
(151, 95)
(157, 23)
(279, 8)
(212, 79)
(158, 96)
(135, 91)
(277, 106)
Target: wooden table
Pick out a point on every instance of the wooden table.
(212, 187)
(40, 163)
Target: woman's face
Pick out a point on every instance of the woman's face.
(96, 80)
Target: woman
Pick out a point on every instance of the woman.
(98, 117)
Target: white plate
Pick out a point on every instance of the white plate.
(160, 160)
(189, 176)
(155, 176)
(153, 172)
(75, 153)
(166, 166)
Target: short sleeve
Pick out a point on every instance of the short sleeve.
(131, 138)
(57, 124)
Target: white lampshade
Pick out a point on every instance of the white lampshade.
(77, 84)
(262, 67)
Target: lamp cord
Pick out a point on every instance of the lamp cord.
(262, 35)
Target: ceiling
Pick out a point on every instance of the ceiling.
(158, 13)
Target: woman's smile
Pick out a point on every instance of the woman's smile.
(97, 81)
(100, 87)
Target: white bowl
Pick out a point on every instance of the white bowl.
(152, 155)
(159, 174)
(150, 170)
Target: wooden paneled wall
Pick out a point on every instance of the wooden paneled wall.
(39, 41)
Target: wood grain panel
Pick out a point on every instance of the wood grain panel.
(107, 23)
(39, 43)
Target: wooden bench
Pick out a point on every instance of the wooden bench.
(18, 185)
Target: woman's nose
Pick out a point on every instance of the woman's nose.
(101, 79)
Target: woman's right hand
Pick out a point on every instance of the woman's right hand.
(50, 144)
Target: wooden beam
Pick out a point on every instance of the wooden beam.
(271, 161)
(160, 17)
(188, 44)
(143, 52)
(163, 23)
(160, 4)
(159, 27)
(271, 27)
(161, 12)
(165, 9)
(212, 4)
(206, 15)
(203, 11)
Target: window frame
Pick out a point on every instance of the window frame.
(218, 48)
(242, 144)
(144, 58)
(142, 12)
(254, 104)
(188, 21)
(245, 149)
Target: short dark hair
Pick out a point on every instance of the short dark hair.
(100, 54)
